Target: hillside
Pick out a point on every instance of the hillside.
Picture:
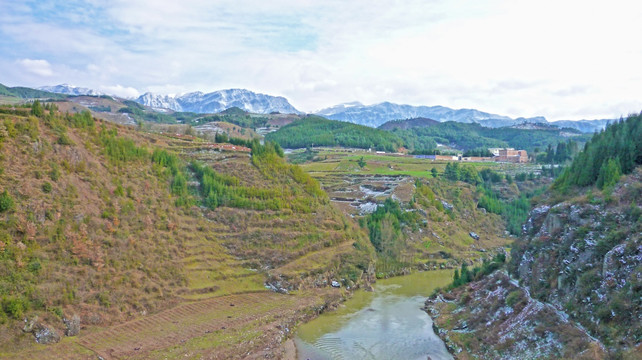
(27, 93)
(101, 225)
(316, 131)
(614, 151)
(578, 263)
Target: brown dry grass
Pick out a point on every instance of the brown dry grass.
(113, 246)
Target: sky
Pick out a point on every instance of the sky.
(562, 59)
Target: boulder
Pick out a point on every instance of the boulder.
(30, 324)
(72, 325)
(46, 335)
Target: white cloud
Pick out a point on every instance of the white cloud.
(121, 91)
(570, 59)
(36, 67)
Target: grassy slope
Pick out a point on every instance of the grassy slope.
(111, 245)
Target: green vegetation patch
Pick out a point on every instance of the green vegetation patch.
(317, 131)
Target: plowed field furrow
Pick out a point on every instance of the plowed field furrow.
(186, 321)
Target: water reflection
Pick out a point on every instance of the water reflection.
(386, 324)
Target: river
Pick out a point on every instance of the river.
(387, 323)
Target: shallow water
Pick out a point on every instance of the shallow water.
(385, 324)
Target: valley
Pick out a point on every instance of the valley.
(320, 180)
(172, 234)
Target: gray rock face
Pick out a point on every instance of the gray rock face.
(586, 258)
(506, 322)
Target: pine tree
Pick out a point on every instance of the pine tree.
(36, 109)
(609, 174)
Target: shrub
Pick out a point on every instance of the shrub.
(64, 139)
(46, 187)
(54, 174)
(6, 201)
(103, 299)
(513, 297)
(14, 307)
(57, 311)
(34, 266)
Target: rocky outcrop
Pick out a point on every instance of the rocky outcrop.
(578, 292)
(495, 319)
(43, 333)
(584, 256)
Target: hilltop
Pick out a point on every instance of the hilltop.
(314, 130)
(18, 93)
(408, 124)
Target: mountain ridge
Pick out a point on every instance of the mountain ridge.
(68, 89)
(378, 114)
(218, 101)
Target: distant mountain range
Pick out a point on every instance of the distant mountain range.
(378, 114)
(586, 126)
(354, 112)
(70, 90)
(218, 101)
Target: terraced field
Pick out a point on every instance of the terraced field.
(212, 328)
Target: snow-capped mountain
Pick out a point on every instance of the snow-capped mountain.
(159, 101)
(70, 90)
(218, 101)
(375, 115)
(378, 114)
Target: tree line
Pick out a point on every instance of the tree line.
(614, 151)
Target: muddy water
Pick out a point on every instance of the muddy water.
(385, 324)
